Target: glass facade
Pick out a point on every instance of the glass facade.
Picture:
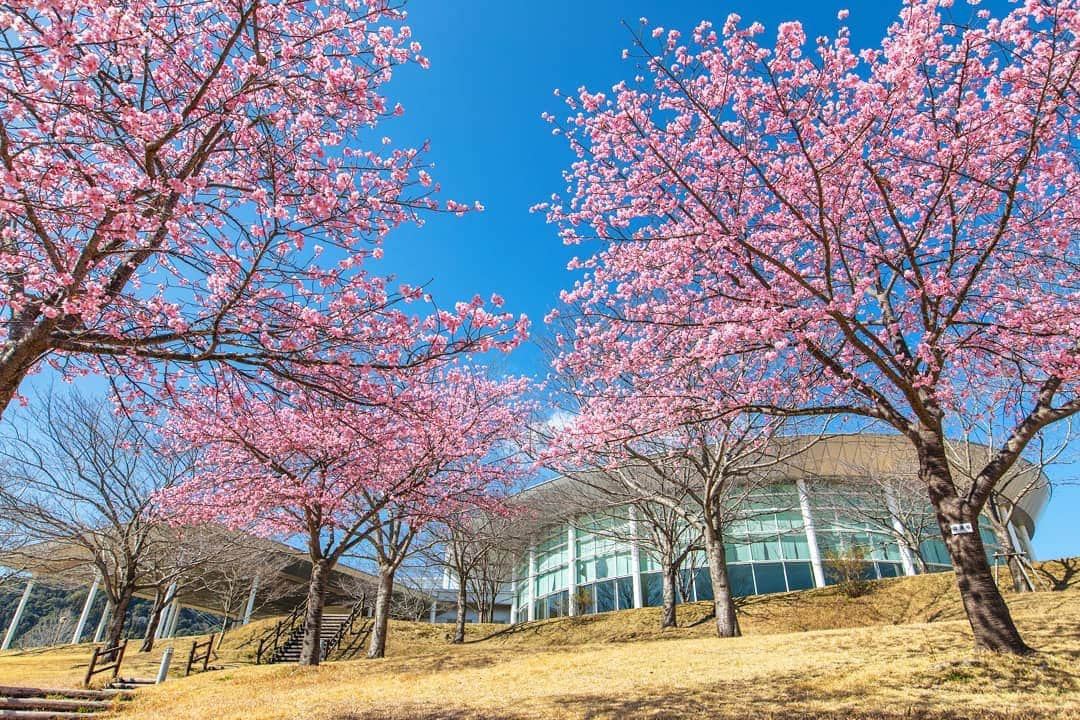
(767, 551)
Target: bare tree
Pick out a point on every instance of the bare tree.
(471, 547)
(77, 482)
(492, 573)
(705, 471)
(626, 496)
(241, 563)
(893, 504)
(979, 440)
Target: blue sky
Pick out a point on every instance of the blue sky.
(494, 67)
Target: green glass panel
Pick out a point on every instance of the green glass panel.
(741, 578)
(795, 547)
(767, 549)
(653, 589)
(800, 576)
(770, 578)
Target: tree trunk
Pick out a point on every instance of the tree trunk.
(462, 608)
(153, 621)
(119, 617)
(668, 613)
(727, 622)
(311, 650)
(920, 561)
(991, 622)
(377, 647)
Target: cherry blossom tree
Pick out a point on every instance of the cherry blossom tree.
(190, 184)
(297, 463)
(459, 446)
(888, 228)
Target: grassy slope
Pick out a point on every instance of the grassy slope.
(810, 654)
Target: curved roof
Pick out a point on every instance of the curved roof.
(856, 456)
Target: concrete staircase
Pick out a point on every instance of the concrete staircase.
(30, 703)
(289, 652)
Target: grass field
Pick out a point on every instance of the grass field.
(902, 652)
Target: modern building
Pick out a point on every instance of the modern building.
(590, 561)
(69, 565)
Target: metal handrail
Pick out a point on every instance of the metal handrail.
(346, 628)
(281, 628)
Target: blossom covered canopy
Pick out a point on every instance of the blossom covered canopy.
(183, 182)
(302, 463)
(891, 230)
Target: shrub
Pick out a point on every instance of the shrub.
(847, 569)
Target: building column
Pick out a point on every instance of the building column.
(250, 607)
(513, 596)
(811, 534)
(10, 634)
(103, 622)
(635, 558)
(1025, 541)
(894, 515)
(571, 568)
(531, 587)
(86, 611)
(163, 621)
(431, 617)
(174, 618)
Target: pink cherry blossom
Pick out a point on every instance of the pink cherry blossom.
(887, 233)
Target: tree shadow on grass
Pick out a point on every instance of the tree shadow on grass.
(406, 712)
(1067, 571)
(782, 698)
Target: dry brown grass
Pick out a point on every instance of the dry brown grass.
(65, 666)
(804, 655)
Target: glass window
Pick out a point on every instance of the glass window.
(648, 562)
(585, 572)
(800, 576)
(829, 542)
(789, 520)
(863, 543)
(623, 564)
(603, 567)
(737, 552)
(549, 582)
(934, 552)
(584, 599)
(770, 578)
(765, 549)
(889, 549)
(742, 580)
(761, 524)
(703, 584)
(887, 569)
(557, 604)
(605, 596)
(736, 529)
(795, 546)
(653, 588)
(991, 546)
(626, 592)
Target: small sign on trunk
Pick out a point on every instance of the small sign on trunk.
(961, 529)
